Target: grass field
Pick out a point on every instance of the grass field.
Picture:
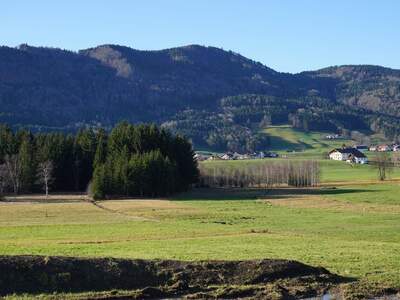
(350, 225)
(285, 137)
(293, 143)
(331, 171)
(353, 230)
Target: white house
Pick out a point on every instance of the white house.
(227, 156)
(349, 155)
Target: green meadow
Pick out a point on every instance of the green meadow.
(349, 225)
(331, 171)
(284, 137)
(350, 229)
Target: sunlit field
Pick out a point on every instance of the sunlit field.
(352, 229)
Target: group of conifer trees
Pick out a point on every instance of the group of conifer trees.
(131, 160)
(142, 161)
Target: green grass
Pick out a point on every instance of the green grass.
(285, 137)
(353, 230)
(331, 171)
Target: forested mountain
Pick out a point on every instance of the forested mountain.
(218, 98)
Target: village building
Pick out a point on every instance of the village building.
(383, 148)
(362, 148)
(227, 156)
(214, 157)
(348, 154)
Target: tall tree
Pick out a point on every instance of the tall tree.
(27, 161)
(45, 175)
(13, 167)
(384, 165)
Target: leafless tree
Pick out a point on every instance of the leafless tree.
(384, 165)
(14, 170)
(267, 174)
(3, 179)
(396, 158)
(45, 170)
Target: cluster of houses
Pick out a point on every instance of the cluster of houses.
(356, 154)
(385, 147)
(334, 136)
(235, 156)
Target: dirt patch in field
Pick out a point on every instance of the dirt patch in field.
(40, 198)
(161, 279)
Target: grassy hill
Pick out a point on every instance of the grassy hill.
(285, 137)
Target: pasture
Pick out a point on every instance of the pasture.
(350, 225)
(331, 171)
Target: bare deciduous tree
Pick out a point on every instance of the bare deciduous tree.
(384, 164)
(45, 170)
(396, 158)
(14, 169)
(267, 174)
(3, 179)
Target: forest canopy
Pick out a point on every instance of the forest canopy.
(131, 160)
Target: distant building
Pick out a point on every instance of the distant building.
(227, 156)
(349, 155)
(271, 154)
(396, 147)
(362, 148)
(214, 157)
(383, 148)
(333, 136)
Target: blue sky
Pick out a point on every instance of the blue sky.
(287, 35)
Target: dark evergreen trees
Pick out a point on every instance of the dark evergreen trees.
(132, 160)
(143, 161)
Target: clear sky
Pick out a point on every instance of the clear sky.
(287, 35)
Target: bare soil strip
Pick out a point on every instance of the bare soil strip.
(156, 279)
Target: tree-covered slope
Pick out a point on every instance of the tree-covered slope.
(219, 98)
(372, 87)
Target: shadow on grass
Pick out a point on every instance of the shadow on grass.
(217, 194)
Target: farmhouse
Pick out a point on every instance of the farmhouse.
(383, 148)
(349, 155)
(362, 148)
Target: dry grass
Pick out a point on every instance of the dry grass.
(53, 198)
(151, 210)
(37, 210)
(318, 202)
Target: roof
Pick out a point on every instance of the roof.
(353, 151)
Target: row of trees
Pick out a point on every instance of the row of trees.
(266, 174)
(31, 162)
(131, 160)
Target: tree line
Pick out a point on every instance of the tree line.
(267, 174)
(131, 160)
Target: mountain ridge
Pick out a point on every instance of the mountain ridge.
(42, 87)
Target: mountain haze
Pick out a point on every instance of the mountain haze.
(218, 98)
